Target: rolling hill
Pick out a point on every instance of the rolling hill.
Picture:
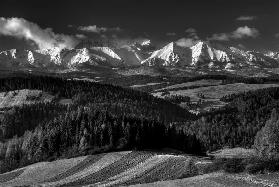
(108, 169)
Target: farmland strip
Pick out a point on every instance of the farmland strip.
(79, 167)
(162, 171)
(105, 161)
(129, 160)
(11, 175)
(137, 170)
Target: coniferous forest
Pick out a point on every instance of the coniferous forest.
(105, 118)
(101, 118)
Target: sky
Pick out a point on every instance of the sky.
(248, 24)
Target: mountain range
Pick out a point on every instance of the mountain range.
(202, 55)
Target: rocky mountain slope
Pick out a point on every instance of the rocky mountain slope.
(202, 55)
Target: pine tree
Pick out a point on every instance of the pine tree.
(267, 139)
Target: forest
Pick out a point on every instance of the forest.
(105, 118)
(102, 118)
(237, 123)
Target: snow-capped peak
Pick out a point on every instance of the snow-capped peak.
(146, 43)
(15, 55)
(108, 51)
(203, 52)
(169, 55)
(197, 51)
(30, 57)
(274, 55)
(202, 55)
(54, 54)
(82, 55)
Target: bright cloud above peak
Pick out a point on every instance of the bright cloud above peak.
(96, 29)
(242, 32)
(43, 38)
(246, 18)
(191, 39)
(186, 42)
(239, 33)
(190, 30)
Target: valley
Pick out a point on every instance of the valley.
(106, 129)
(137, 116)
(205, 96)
(139, 93)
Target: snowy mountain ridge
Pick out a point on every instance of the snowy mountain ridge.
(202, 54)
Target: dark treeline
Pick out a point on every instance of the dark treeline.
(126, 81)
(17, 120)
(109, 118)
(101, 118)
(177, 99)
(87, 131)
(105, 96)
(237, 123)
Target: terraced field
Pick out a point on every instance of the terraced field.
(109, 169)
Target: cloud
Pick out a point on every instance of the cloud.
(246, 18)
(190, 30)
(127, 41)
(220, 37)
(96, 29)
(186, 42)
(43, 38)
(276, 35)
(191, 38)
(241, 46)
(239, 33)
(81, 36)
(243, 32)
(92, 28)
(192, 33)
(171, 34)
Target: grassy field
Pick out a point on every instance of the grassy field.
(109, 169)
(211, 90)
(199, 83)
(220, 179)
(133, 168)
(25, 96)
(237, 152)
(216, 92)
